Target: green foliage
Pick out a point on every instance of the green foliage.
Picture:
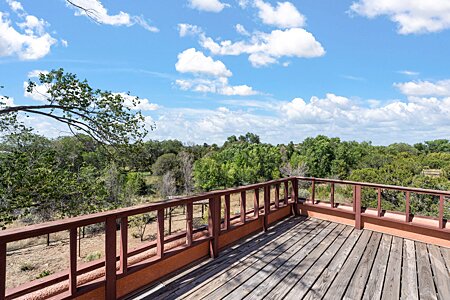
(44, 274)
(93, 256)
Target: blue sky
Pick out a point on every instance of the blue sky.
(207, 69)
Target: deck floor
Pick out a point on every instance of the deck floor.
(307, 258)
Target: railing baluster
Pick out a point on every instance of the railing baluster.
(441, 211)
(243, 206)
(2, 270)
(294, 195)
(214, 226)
(332, 196)
(357, 203)
(73, 261)
(123, 245)
(379, 203)
(110, 257)
(354, 198)
(189, 225)
(256, 203)
(286, 192)
(160, 233)
(266, 207)
(227, 211)
(313, 192)
(277, 195)
(407, 213)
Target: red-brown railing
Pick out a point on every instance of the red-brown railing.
(379, 188)
(121, 216)
(216, 226)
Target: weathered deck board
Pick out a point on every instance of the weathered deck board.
(306, 258)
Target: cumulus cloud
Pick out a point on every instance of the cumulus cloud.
(211, 76)
(193, 61)
(411, 16)
(284, 15)
(135, 103)
(207, 5)
(29, 40)
(94, 9)
(266, 48)
(425, 88)
(241, 29)
(188, 29)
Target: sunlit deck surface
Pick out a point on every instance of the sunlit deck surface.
(307, 258)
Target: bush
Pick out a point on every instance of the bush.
(44, 273)
(27, 267)
(93, 256)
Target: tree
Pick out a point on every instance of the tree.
(186, 166)
(104, 116)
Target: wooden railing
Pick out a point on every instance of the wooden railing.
(357, 208)
(120, 217)
(220, 221)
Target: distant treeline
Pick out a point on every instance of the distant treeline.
(43, 179)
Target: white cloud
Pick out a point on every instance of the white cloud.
(425, 88)
(207, 5)
(39, 92)
(29, 41)
(36, 73)
(6, 101)
(409, 73)
(16, 6)
(95, 10)
(241, 30)
(140, 103)
(267, 48)
(193, 61)
(64, 43)
(216, 86)
(411, 16)
(284, 15)
(188, 29)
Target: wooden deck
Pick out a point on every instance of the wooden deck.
(306, 258)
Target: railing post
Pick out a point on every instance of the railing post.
(354, 198)
(441, 211)
(214, 226)
(2, 270)
(358, 207)
(266, 207)
(407, 211)
(379, 203)
(123, 245)
(313, 191)
(227, 211)
(286, 192)
(110, 257)
(294, 196)
(73, 261)
(160, 233)
(243, 206)
(189, 225)
(256, 203)
(277, 195)
(332, 195)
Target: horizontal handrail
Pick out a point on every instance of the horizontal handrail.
(20, 233)
(376, 185)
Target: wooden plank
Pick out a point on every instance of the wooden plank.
(441, 275)
(281, 283)
(275, 274)
(391, 288)
(407, 210)
(326, 278)
(227, 265)
(425, 276)
(286, 192)
(285, 250)
(409, 272)
(256, 203)
(355, 289)
(357, 204)
(2, 269)
(301, 287)
(243, 206)
(73, 261)
(189, 223)
(227, 212)
(110, 258)
(446, 256)
(277, 195)
(337, 288)
(123, 245)
(374, 285)
(160, 233)
(332, 195)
